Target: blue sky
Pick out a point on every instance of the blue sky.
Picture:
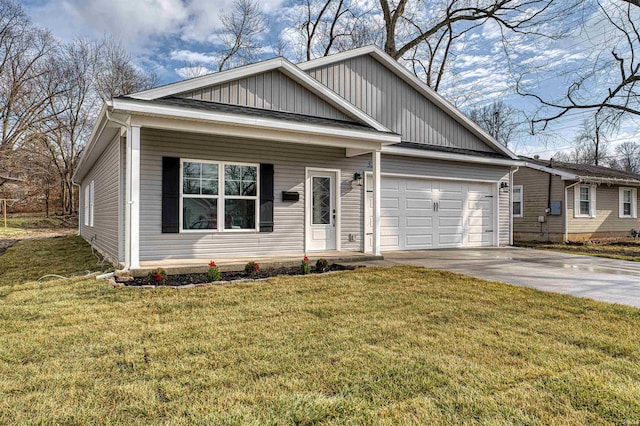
(167, 35)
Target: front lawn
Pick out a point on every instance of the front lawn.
(394, 345)
(627, 249)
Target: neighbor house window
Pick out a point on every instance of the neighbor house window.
(517, 201)
(219, 196)
(585, 201)
(628, 202)
(88, 204)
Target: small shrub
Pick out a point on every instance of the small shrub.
(213, 273)
(305, 268)
(251, 269)
(157, 276)
(322, 265)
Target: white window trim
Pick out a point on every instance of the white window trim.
(91, 203)
(592, 201)
(87, 190)
(221, 197)
(515, 187)
(634, 203)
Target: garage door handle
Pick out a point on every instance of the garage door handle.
(490, 230)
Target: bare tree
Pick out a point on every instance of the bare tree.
(627, 157)
(610, 86)
(26, 85)
(590, 145)
(89, 72)
(241, 33)
(115, 73)
(409, 28)
(498, 119)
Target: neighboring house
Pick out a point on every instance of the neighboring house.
(350, 152)
(559, 201)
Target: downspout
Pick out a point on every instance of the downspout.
(127, 225)
(566, 210)
(512, 172)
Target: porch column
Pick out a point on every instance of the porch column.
(132, 209)
(376, 202)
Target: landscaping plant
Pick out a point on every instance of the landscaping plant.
(213, 273)
(305, 268)
(322, 265)
(157, 276)
(251, 269)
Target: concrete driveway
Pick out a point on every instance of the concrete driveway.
(608, 280)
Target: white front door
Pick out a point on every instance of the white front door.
(321, 215)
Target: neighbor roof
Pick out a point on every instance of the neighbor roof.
(583, 172)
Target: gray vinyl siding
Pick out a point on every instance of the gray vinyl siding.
(535, 195)
(401, 165)
(607, 221)
(289, 162)
(106, 214)
(271, 90)
(377, 91)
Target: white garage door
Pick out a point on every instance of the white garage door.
(425, 214)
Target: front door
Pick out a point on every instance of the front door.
(322, 211)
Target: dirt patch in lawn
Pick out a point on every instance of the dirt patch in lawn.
(226, 277)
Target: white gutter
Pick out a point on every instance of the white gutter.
(449, 156)
(566, 210)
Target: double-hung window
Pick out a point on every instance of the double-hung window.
(628, 201)
(585, 201)
(517, 201)
(219, 196)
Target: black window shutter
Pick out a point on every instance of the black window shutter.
(170, 195)
(266, 197)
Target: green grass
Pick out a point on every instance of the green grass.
(623, 250)
(399, 345)
(34, 221)
(29, 260)
(10, 232)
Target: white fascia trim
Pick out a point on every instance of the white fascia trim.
(417, 84)
(410, 152)
(284, 65)
(563, 175)
(134, 107)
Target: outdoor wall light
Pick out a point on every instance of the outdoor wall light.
(357, 178)
(504, 186)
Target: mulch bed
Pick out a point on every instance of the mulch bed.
(226, 277)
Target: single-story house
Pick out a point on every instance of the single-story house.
(557, 201)
(346, 153)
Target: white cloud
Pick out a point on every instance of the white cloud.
(191, 72)
(193, 57)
